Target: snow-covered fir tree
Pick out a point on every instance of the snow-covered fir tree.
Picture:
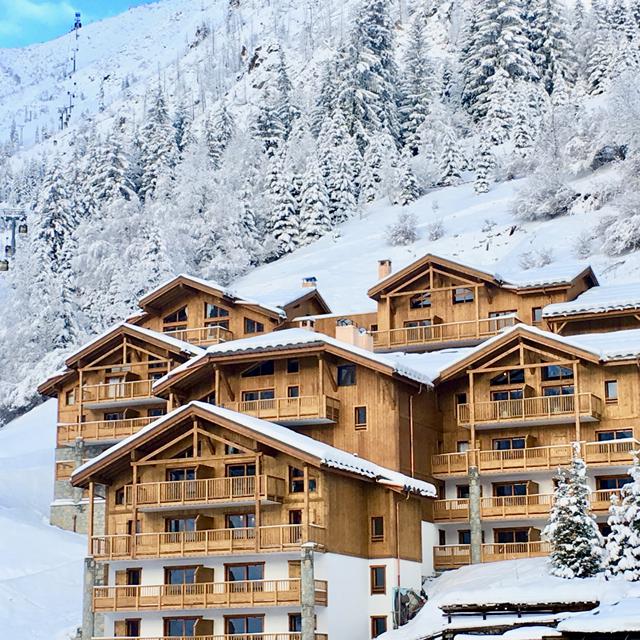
(576, 542)
(315, 220)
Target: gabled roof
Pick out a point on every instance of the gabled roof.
(170, 291)
(553, 275)
(268, 433)
(392, 363)
(284, 298)
(575, 347)
(603, 299)
(121, 329)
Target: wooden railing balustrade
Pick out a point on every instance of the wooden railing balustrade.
(101, 429)
(213, 334)
(451, 556)
(106, 391)
(292, 635)
(300, 408)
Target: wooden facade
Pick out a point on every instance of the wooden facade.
(435, 302)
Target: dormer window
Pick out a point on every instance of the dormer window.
(421, 301)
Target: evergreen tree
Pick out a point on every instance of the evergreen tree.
(623, 543)
(315, 220)
(219, 130)
(371, 177)
(404, 187)
(451, 159)
(183, 123)
(484, 164)
(113, 176)
(284, 213)
(342, 201)
(268, 127)
(576, 543)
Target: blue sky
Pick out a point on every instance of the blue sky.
(24, 22)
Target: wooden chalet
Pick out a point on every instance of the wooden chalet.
(436, 302)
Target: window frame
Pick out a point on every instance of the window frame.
(70, 397)
(183, 568)
(357, 423)
(614, 433)
(375, 587)
(346, 367)
(168, 620)
(252, 326)
(536, 311)
(291, 368)
(374, 630)
(259, 366)
(608, 398)
(227, 617)
(456, 293)
(420, 300)
(376, 537)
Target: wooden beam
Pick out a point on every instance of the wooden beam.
(90, 515)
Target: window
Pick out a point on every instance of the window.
(509, 536)
(241, 470)
(360, 418)
(462, 491)
(618, 434)
(507, 394)
(295, 622)
(464, 536)
(462, 295)
(231, 451)
(378, 625)
(214, 311)
(119, 496)
(515, 376)
(377, 528)
(293, 392)
(70, 397)
(506, 444)
(536, 315)
(260, 394)
(296, 480)
(132, 628)
(556, 372)
(138, 527)
(420, 301)
(346, 375)
(558, 390)
(177, 316)
(244, 572)
(265, 368)
(178, 525)
(509, 489)
(293, 365)
(612, 482)
(156, 412)
(611, 391)
(180, 575)
(252, 326)
(295, 516)
(461, 398)
(413, 324)
(442, 537)
(243, 624)
(240, 520)
(180, 627)
(378, 579)
(134, 577)
(462, 446)
(180, 475)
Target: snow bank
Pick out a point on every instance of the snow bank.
(609, 618)
(40, 565)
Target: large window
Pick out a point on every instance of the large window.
(265, 368)
(241, 470)
(180, 627)
(258, 394)
(515, 376)
(253, 326)
(177, 525)
(507, 536)
(179, 475)
(462, 295)
(556, 372)
(378, 575)
(558, 390)
(244, 572)
(296, 481)
(240, 520)
(176, 321)
(346, 375)
(614, 434)
(507, 394)
(214, 311)
(509, 489)
(243, 624)
(505, 444)
(132, 628)
(180, 575)
(420, 301)
(610, 483)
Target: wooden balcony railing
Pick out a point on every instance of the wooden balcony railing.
(254, 593)
(286, 635)
(206, 491)
(202, 335)
(503, 460)
(529, 409)
(495, 507)
(117, 391)
(601, 499)
(444, 332)
(451, 556)
(206, 542)
(64, 469)
(290, 409)
(101, 429)
(610, 452)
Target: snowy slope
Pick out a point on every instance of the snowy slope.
(345, 264)
(40, 565)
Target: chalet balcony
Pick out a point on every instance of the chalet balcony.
(286, 635)
(452, 556)
(601, 500)
(101, 430)
(202, 336)
(495, 507)
(466, 332)
(291, 411)
(208, 492)
(206, 542)
(227, 595)
(539, 410)
(503, 460)
(106, 395)
(610, 452)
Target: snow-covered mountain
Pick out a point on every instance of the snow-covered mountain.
(257, 141)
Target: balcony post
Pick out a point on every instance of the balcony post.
(307, 592)
(475, 523)
(576, 399)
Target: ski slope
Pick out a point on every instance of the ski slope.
(40, 566)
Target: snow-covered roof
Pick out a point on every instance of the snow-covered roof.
(532, 632)
(598, 300)
(622, 616)
(400, 363)
(325, 454)
(328, 316)
(181, 345)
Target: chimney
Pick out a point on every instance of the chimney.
(347, 331)
(384, 268)
(307, 323)
(309, 282)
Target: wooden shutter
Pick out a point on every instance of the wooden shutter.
(204, 574)
(121, 577)
(204, 627)
(294, 569)
(120, 628)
